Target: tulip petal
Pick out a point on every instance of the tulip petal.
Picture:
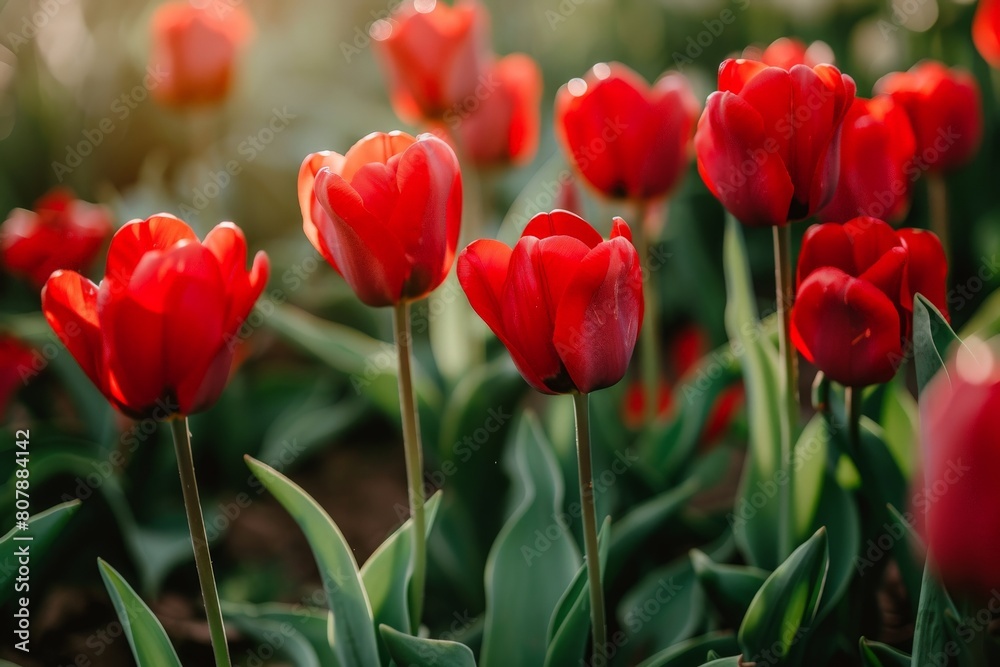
(376, 147)
(887, 273)
(228, 244)
(871, 239)
(313, 216)
(847, 327)
(562, 223)
(599, 316)
(927, 270)
(825, 245)
(734, 74)
(482, 272)
(69, 302)
(138, 237)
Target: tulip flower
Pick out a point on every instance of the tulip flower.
(877, 150)
(986, 31)
(945, 109)
(768, 140)
(854, 306)
(435, 56)
(195, 50)
(16, 366)
(961, 462)
(786, 52)
(385, 215)
(628, 140)
(156, 335)
(565, 303)
(503, 126)
(61, 233)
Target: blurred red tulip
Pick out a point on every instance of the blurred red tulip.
(986, 31)
(768, 142)
(877, 148)
(566, 303)
(195, 50)
(961, 461)
(853, 310)
(61, 233)
(945, 110)
(434, 55)
(385, 215)
(502, 125)
(627, 139)
(158, 335)
(786, 52)
(16, 366)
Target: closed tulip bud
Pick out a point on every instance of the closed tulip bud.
(158, 335)
(787, 52)
(566, 303)
(768, 142)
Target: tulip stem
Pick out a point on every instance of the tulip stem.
(783, 283)
(650, 334)
(591, 550)
(414, 461)
(853, 399)
(199, 540)
(937, 202)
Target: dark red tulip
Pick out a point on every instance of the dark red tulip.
(385, 215)
(768, 142)
(986, 31)
(157, 336)
(566, 303)
(961, 463)
(195, 49)
(501, 126)
(434, 55)
(16, 366)
(877, 150)
(786, 52)
(853, 310)
(945, 110)
(61, 233)
(627, 139)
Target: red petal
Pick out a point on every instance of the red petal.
(825, 245)
(482, 272)
(562, 223)
(69, 302)
(313, 216)
(138, 237)
(376, 147)
(927, 270)
(735, 73)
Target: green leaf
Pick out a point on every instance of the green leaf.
(787, 603)
(386, 574)
(930, 634)
(724, 662)
(808, 468)
(145, 635)
(353, 633)
(757, 535)
(900, 423)
(302, 625)
(875, 654)
(570, 624)
(43, 528)
(533, 559)
(419, 652)
(665, 607)
(731, 588)
(285, 640)
(693, 652)
(932, 338)
(310, 426)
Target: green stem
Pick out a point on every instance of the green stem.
(649, 337)
(199, 540)
(582, 409)
(852, 397)
(414, 461)
(783, 285)
(937, 202)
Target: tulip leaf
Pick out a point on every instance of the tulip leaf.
(731, 588)
(353, 633)
(421, 652)
(146, 636)
(386, 574)
(285, 641)
(900, 423)
(534, 558)
(570, 624)
(932, 338)
(724, 662)
(784, 608)
(277, 623)
(694, 652)
(876, 654)
(43, 528)
(931, 632)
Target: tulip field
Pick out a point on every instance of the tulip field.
(540, 333)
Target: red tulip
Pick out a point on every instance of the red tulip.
(786, 52)
(502, 125)
(627, 139)
(945, 110)
(876, 160)
(16, 365)
(195, 49)
(566, 303)
(958, 503)
(385, 215)
(61, 233)
(768, 142)
(853, 310)
(156, 336)
(434, 56)
(986, 31)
